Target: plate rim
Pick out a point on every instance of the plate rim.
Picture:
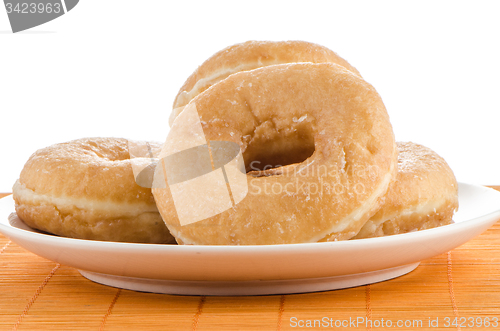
(207, 263)
(235, 249)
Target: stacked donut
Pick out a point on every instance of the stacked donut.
(86, 189)
(318, 147)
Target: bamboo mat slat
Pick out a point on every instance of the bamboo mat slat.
(37, 294)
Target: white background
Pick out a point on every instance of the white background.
(113, 67)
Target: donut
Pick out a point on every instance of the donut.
(86, 189)
(247, 56)
(318, 148)
(423, 196)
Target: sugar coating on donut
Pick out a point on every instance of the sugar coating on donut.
(319, 151)
(423, 196)
(247, 56)
(86, 189)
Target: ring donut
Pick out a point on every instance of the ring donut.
(423, 196)
(86, 189)
(318, 147)
(248, 56)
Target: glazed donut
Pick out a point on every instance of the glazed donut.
(247, 56)
(424, 195)
(318, 148)
(86, 189)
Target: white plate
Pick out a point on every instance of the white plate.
(257, 270)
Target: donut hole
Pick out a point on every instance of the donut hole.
(268, 151)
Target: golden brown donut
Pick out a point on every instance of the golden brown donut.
(327, 136)
(424, 195)
(86, 189)
(247, 56)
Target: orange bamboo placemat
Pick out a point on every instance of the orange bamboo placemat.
(453, 291)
